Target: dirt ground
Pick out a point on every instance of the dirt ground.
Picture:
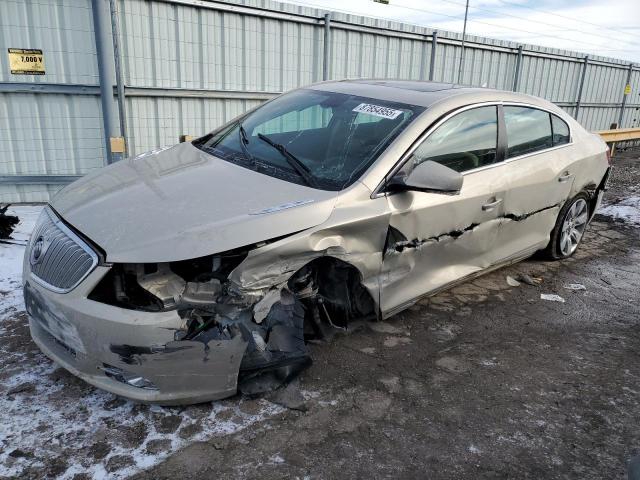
(486, 380)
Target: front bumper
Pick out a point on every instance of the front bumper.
(90, 339)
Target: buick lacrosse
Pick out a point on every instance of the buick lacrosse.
(187, 273)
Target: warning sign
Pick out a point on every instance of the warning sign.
(26, 61)
(627, 89)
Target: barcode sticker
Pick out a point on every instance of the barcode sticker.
(377, 110)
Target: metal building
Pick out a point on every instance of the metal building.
(186, 66)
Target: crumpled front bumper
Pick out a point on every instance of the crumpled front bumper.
(92, 340)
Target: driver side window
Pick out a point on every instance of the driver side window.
(466, 141)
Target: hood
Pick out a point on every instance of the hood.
(180, 203)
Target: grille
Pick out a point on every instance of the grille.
(59, 260)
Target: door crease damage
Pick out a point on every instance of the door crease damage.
(397, 242)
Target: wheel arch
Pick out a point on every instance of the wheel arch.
(340, 285)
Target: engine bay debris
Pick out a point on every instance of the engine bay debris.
(271, 326)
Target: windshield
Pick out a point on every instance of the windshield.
(325, 140)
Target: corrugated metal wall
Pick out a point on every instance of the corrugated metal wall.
(49, 133)
(191, 65)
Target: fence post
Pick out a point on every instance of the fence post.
(115, 33)
(516, 73)
(581, 85)
(327, 46)
(101, 22)
(464, 34)
(432, 61)
(625, 95)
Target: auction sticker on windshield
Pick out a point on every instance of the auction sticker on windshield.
(377, 110)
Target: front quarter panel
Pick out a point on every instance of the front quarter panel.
(355, 233)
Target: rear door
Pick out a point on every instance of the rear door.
(540, 175)
(435, 238)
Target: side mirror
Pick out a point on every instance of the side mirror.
(428, 176)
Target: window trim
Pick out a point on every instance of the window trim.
(500, 152)
(555, 147)
(501, 142)
(508, 104)
(551, 115)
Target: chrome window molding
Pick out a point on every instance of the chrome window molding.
(536, 152)
(377, 192)
(58, 223)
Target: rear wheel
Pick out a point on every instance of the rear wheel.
(569, 229)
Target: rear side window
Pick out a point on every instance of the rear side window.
(528, 130)
(466, 141)
(560, 131)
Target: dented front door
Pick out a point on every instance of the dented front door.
(437, 238)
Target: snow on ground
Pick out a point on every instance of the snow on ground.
(54, 425)
(11, 258)
(628, 210)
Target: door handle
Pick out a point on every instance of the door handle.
(491, 205)
(565, 177)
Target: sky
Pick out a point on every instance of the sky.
(609, 28)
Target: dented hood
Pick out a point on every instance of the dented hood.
(181, 203)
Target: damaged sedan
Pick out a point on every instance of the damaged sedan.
(188, 273)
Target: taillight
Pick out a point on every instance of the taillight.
(609, 156)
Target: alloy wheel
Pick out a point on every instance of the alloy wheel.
(573, 227)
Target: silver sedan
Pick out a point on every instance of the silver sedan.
(187, 273)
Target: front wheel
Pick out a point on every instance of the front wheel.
(569, 229)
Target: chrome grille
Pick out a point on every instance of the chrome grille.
(58, 259)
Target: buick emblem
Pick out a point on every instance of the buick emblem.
(37, 251)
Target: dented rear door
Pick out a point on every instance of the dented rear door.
(540, 171)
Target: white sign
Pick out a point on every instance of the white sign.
(377, 111)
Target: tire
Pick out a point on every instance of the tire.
(569, 228)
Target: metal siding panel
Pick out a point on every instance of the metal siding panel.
(27, 193)
(158, 122)
(631, 118)
(367, 56)
(57, 134)
(64, 33)
(192, 47)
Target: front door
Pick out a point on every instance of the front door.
(437, 238)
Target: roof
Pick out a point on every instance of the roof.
(416, 86)
(424, 94)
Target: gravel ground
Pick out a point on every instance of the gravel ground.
(486, 380)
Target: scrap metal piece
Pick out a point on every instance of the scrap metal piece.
(276, 350)
(551, 297)
(512, 281)
(163, 283)
(529, 280)
(7, 222)
(201, 293)
(263, 307)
